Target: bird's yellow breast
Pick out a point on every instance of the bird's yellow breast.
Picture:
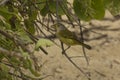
(68, 41)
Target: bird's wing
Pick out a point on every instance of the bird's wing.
(67, 34)
(70, 35)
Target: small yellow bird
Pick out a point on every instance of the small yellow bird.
(68, 37)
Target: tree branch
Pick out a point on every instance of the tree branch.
(16, 54)
(16, 40)
(3, 2)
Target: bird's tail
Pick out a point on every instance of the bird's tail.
(87, 46)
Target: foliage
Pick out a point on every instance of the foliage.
(22, 20)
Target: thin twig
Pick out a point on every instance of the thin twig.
(82, 39)
(64, 53)
(76, 56)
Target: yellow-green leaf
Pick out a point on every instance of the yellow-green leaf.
(43, 42)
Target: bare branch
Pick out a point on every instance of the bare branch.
(16, 54)
(3, 2)
(82, 39)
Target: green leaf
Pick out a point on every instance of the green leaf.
(107, 2)
(98, 9)
(26, 64)
(6, 43)
(14, 61)
(35, 73)
(4, 67)
(43, 42)
(29, 26)
(82, 9)
(89, 9)
(29, 65)
(1, 56)
(25, 55)
(24, 37)
(4, 24)
(113, 6)
(5, 13)
(44, 11)
(32, 13)
(41, 4)
(53, 9)
(4, 72)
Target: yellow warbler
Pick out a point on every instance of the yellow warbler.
(68, 37)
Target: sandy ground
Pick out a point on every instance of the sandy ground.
(104, 58)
